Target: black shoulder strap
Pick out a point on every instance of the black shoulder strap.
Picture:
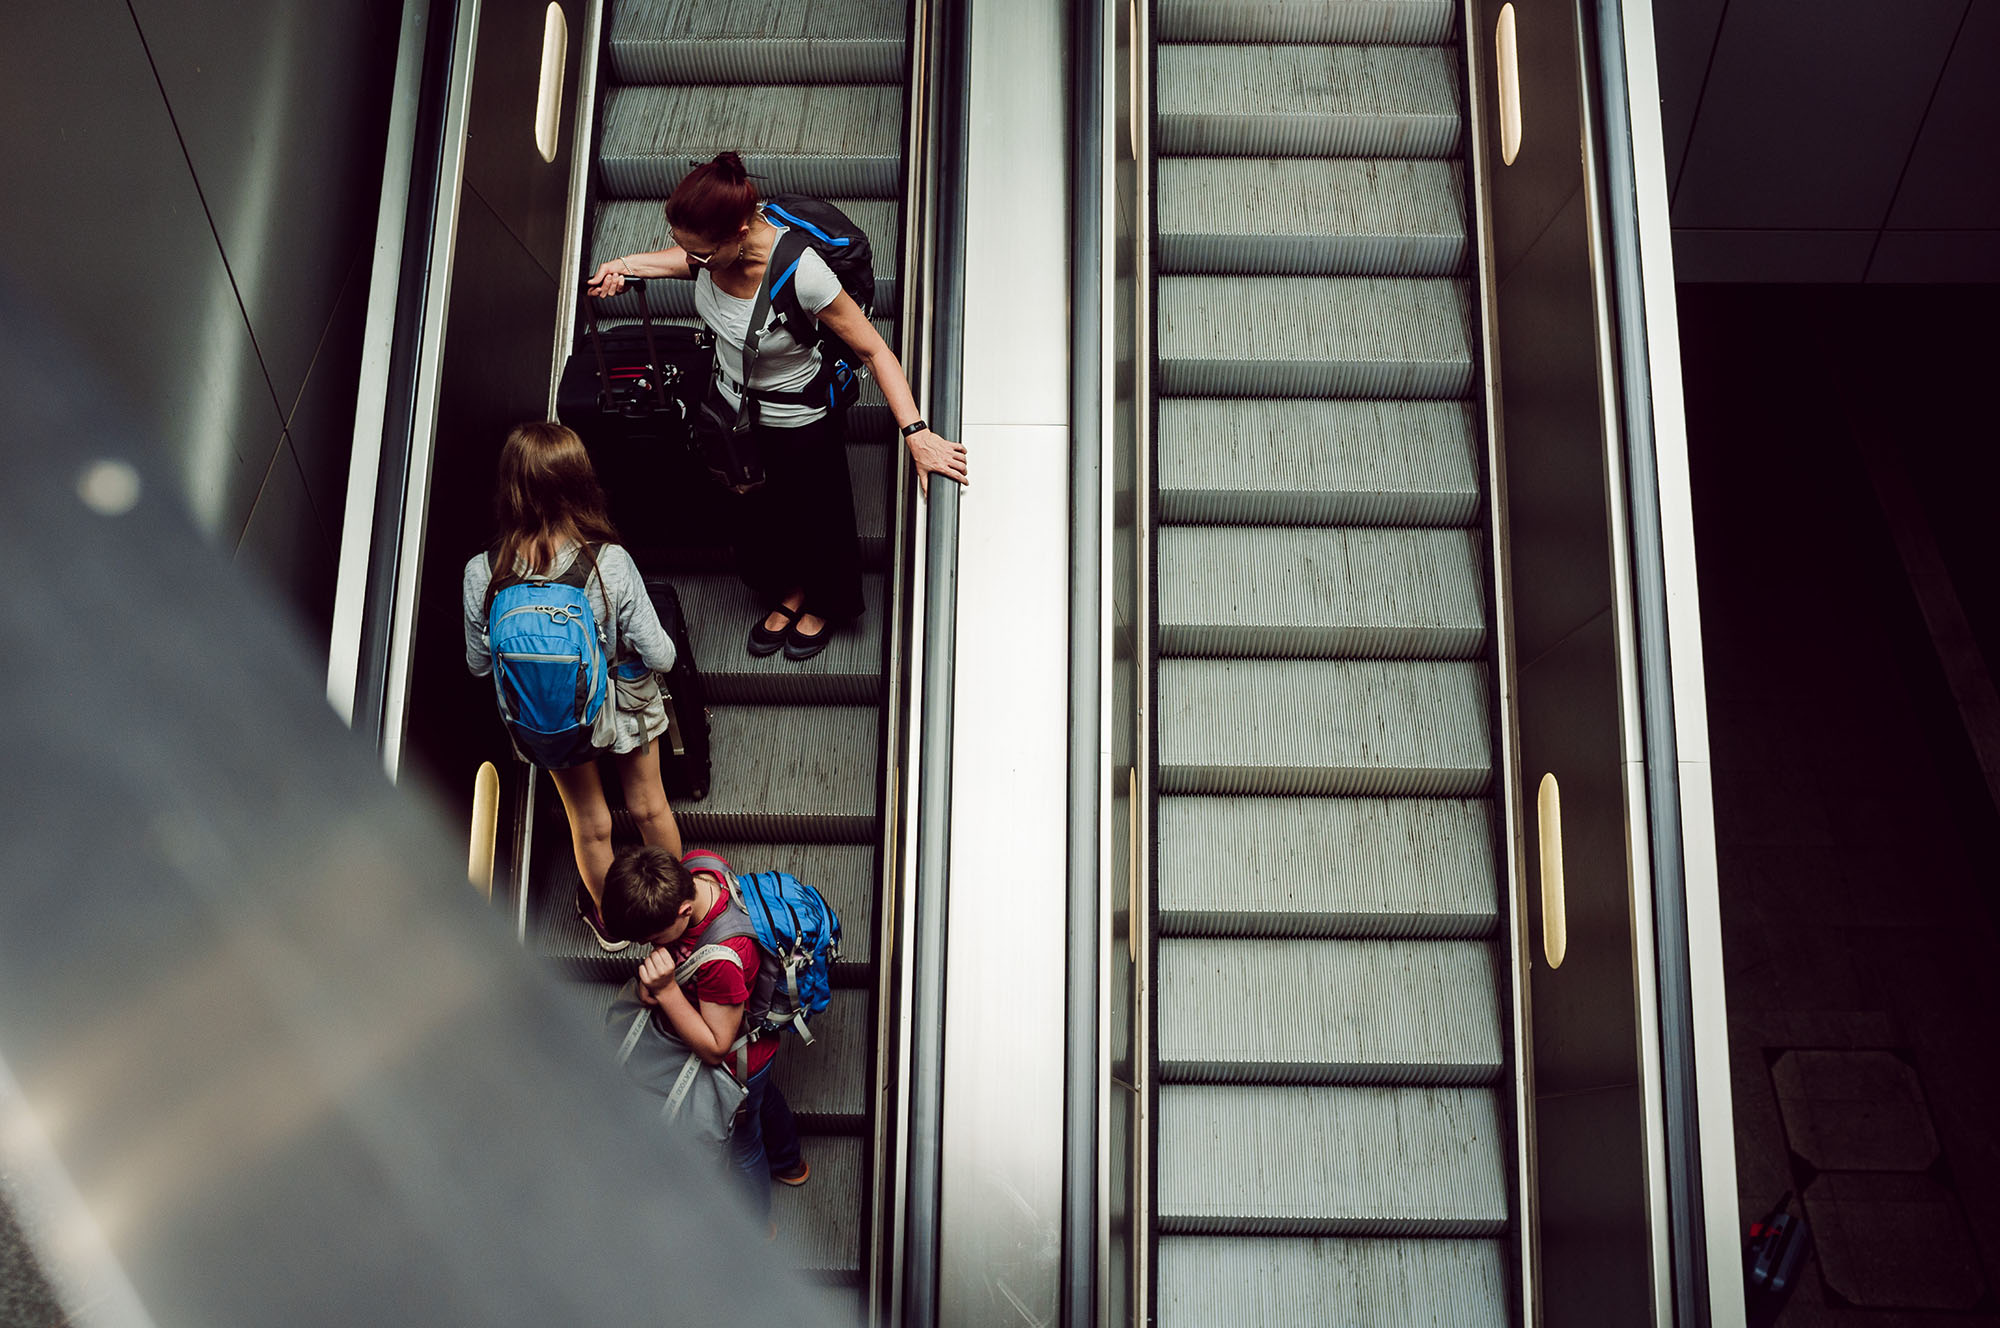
(786, 255)
(492, 581)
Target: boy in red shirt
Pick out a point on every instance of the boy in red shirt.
(649, 895)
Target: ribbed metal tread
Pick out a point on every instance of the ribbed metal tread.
(805, 774)
(1307, 101)
(819, 1223)
(802, 41)
(1404, 337)
(1327, 867)
(1310, 218)
(1328, 1012)
(834, 142)
(826, 1081)
(1359, 594)
(638, 226)
(1409, 22)
(1323, 727)
(720, 610)
(1258, 1280)
(1409, 463)
(1255, 1160)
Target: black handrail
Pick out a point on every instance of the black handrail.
(1688, 1251)
(946, 95)
(1082, 1075)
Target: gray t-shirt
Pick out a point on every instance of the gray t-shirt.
(783, 365)
(617, 596)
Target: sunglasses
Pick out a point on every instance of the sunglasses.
(700, 260)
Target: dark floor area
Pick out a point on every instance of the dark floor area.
(1859, 849)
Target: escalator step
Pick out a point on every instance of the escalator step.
(829, 1077)
(1311, 218)
(1307, 101)
(1323, 727)
(1207, 1280)
(819, 1222)
(637, 226)
(1315, 337)
(797, 773)
(1410, 22)
(1252, 1160)
(1272, 592)
(1409, 463)
(720, 610)
(832, 142)
(803, 41)
(1329, 867)
(1329, 1012)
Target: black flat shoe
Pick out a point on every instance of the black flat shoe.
(764, 641)
(799, 646)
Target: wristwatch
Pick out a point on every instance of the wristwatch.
(918, 427)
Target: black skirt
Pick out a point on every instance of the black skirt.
(798, 530)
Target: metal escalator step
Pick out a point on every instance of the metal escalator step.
(835, 142)
(1314, 337)
(818, 1223)
(1255, 1160)
(1276, 592)
(1307, 101)
(1409, 22)
(1319, 727)
(720, 609)
(1205, 1280)
(799, 773)
(1410, 463)
(803, 41)
(1331, 867)
(1332, 217)
(844, 873)
(826, 1082)
(1328, 1012)
(638, 226)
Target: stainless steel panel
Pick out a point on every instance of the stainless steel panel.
(321, 418)
(98, 193)
(282, 109)
(286, 546)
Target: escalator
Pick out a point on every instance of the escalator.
(1335, 1124)
(813, 99)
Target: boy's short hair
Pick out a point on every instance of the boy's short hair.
(643, 892)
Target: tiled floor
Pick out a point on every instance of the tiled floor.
(1856, 845)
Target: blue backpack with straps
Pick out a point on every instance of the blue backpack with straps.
(798, 938)
(548, 664)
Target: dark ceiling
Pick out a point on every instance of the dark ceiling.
(1832, 140)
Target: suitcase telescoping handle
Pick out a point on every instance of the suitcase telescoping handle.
(638, 287)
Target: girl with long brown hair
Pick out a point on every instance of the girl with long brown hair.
(805, 559)
(550, 516)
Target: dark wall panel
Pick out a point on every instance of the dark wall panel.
(189, 186)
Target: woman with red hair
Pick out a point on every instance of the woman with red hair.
(805, 558)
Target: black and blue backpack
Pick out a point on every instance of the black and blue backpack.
(548, 662)
(814, 223)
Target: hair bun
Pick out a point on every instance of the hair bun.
(729, 166)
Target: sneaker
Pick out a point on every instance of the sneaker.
(588, 912)
(796, 1177)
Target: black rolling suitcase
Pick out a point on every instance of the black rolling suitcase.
(627, 391)
(684, 754)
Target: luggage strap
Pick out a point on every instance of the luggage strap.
(638, 285)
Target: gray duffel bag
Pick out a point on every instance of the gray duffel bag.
(697, 1098)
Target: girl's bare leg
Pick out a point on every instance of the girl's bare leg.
(646, 799)
(589, 823)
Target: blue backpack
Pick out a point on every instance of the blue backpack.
(548, 664)
(798, 938)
